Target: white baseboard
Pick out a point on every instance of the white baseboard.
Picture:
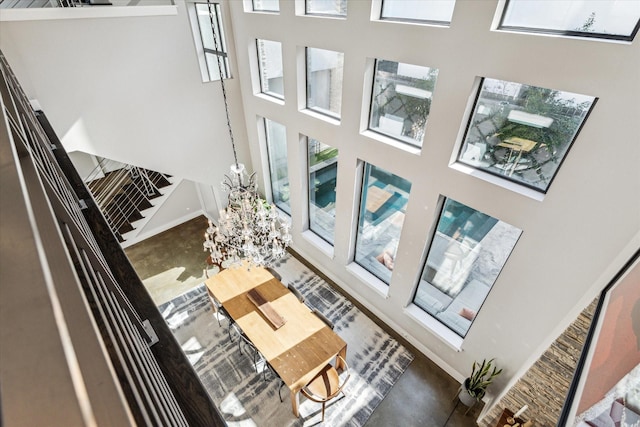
(143, 236)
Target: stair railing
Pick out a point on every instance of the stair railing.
(121, 191)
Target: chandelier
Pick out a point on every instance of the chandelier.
(249, 228)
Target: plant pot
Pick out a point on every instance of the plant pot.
(465, 397)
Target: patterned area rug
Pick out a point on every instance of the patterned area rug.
(247, 398)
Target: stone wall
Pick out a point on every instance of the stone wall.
(545, 385)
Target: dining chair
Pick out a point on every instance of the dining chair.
(274, 273)
(255, 355)
(296, 292)
(322, 317)
(216, 306)
(326, 385)
(268, 368)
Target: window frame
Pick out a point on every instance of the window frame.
(366, 175)
(260, 71)
(321, 111)
(433, 22)
(459, 160)
(441, 205)
(399, 138)
(203, 51)
(309, 223)
(564, 33)
(253, 8)
(320, 14)
(269, 161)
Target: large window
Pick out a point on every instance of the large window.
(467, 253)
(401, 100)
(324, 81)
(432, 11)
(278, 169)
(270, 63)
(382, 208)
(266, 5)
(618, 20)
(326, 7)
(211, 54)
(323, 171)
(521, 132)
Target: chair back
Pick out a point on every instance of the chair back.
(296, 292)
(327, 384)
(322, 317)
(274, 273)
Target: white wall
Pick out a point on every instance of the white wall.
(181, 205)
(129, 89)
(572, 241)
(86, 165)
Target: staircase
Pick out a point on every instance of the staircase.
(126, 194)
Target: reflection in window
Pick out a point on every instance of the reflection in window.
(206, 33)
(402, 100)
(324, 81)
(323, 170)
(466, 255)
(521, 132)
(326, 7)
(382, 208)
(278, 169)
(432, 11)
(270, 63)
(594, 18)
(266, 5)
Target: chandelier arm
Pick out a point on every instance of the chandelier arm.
(224, 91)
(249, 229)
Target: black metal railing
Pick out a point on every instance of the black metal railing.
(36, 4)
(155, 383)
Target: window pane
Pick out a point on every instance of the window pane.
(323, 171)
(522, 132)
(212, 65)
(206, 33)
(438, 11)
(266, 5)
(466, 255)
(382, 207)
(324, 81)
(617, 19)
(270, 63)
(327, 7)
(277, 152)
(402, 100)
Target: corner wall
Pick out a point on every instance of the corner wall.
(545, 385)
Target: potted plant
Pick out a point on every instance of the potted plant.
(474, 387)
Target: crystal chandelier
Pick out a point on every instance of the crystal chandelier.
(249, 229)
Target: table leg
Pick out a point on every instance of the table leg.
(340, 365)
(295, 402)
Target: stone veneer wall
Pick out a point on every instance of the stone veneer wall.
(545, 385)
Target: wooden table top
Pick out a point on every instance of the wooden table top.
(518, 144)
(376, 197)
(300, 348)
(235, 281)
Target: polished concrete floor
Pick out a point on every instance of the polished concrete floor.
(172, 262)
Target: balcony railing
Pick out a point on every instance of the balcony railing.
(82, 342)
(32, 4)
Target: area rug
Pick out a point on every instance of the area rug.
(247, 398)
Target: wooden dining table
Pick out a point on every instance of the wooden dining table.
(298, 347)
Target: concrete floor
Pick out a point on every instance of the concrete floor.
(172, 262)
